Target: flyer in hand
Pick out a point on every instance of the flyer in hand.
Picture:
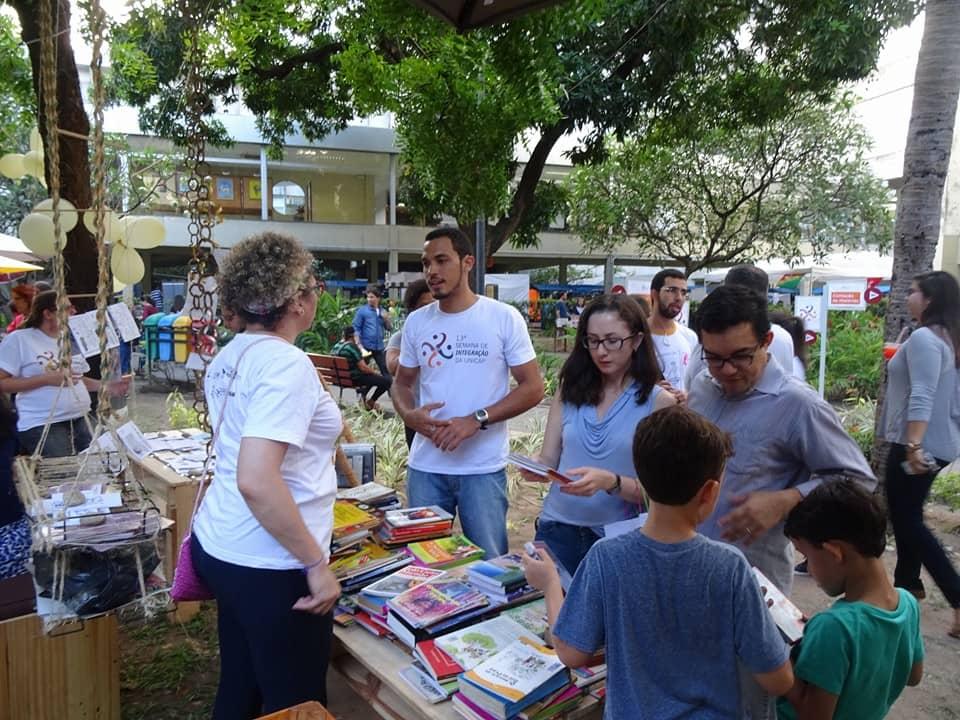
(530, 465)
(788, 617)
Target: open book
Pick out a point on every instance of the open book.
(531, 465)
(788, 617)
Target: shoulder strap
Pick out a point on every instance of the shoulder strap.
(216, 432)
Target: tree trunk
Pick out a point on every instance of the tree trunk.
(80, 253)
(926, 160)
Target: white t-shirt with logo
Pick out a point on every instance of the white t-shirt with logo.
(674, 352)
(29, 352)
(276, 395)
(464, 360)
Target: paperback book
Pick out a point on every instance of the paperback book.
(407, 517)
(445, 552)
(406, 579)
(474, 644)
(537, 468)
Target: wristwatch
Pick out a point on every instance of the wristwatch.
(482, 417)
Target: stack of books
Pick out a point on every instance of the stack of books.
(440, 603)
(351, 526)
(474, 644)
(372, 494)
(372, 600)
(445, 553)
(367, 564)
(441, 667)
(500, 578)
(408, 525)
(504, 685)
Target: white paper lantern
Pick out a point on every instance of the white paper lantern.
(127, 265)
(33, 164)
(11, 165)
(68, 213)
(110, 221)
(36, 142)
(145, 233)
(36, 232)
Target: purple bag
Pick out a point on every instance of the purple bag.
(187, 585)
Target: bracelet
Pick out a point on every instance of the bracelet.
(311, 566)
(616, 487)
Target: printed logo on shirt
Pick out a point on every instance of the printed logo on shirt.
(48, 361)
(439, 348)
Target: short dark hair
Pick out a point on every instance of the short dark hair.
(729, 306)
(348, 331)
(580, 380)
(460, 242)
(841, 510)
(675, 452)
(661, 277)
(411, 296)
(372, 289)
(749, 276)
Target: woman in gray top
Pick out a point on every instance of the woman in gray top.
(921, 418)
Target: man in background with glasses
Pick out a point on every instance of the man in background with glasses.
(786, 439)
(673, 341)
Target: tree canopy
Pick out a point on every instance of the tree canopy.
(799, 185)
(463, 104)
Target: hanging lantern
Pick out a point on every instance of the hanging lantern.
(68, 213)
(36, 232)
(33, 164)
(11, 165)
(110, 221)
(145, 233)
(126, 264)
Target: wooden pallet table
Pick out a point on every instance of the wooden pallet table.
(371, 666)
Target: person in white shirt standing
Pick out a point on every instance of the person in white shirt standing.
(673, 341)
(463, 349)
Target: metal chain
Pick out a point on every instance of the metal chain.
(203, 215)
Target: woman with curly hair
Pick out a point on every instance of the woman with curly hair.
(607, 386)
(921, 420)
(261, 537)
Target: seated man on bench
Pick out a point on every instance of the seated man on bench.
(364, 376)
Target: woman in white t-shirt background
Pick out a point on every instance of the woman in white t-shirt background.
(28, 367)
(261, 538)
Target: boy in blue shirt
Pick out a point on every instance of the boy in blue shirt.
(856, 656)
(674, 610)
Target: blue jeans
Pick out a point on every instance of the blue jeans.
(568, 543)
(480, 499)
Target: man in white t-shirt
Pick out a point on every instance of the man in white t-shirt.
(781, 347)
(463, 349)
(673, 341)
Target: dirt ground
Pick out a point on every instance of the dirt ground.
(169, 671)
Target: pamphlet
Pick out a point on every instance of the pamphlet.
(789, 618)
(529, 464)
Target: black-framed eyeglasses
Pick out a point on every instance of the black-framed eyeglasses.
(683, 292)
(610, 343)
(739, 360)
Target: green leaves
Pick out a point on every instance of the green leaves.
(792, 187)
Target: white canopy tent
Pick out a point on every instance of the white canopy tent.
(12, 247)
(835, 266)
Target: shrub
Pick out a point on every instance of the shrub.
(854, 355)
(946, 489)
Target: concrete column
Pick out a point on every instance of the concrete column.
(562, 276)
(393, 191)
(374, 265)
(608, 274)
(393, 266)
(264, 186)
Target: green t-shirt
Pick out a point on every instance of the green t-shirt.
(353, 355)
(861, 653)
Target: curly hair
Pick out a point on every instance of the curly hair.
(261, 275)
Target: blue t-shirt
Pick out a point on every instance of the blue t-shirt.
(861, 653)
(607, 444)
(674, 639)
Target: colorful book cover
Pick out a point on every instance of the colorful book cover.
(423, 684)
(436, 661)
(445, 552)
(474, 644)
(367, 557)
(347, 517)
(402, 580)
(506, 570)
(367, 492)
(531, 615)
(469, 709)
(427, 603)
(417, 516)
(519, 670)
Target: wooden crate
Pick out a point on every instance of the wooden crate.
(72, 675)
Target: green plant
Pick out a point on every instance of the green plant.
(387, 433)
(179, 413)
(854, 355)
(334, 312)
(550, 364)
(946, 489)
(857, 417)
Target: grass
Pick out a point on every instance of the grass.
(946, 489)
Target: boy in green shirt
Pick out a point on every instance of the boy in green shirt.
(363, 376)
(856, 656)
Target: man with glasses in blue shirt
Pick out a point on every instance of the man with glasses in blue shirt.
(786, 439)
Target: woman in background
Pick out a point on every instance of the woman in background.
(921, 420)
